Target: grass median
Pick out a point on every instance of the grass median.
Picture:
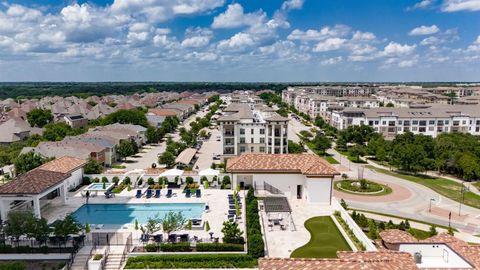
(445, 187)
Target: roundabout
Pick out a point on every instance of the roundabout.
(362, 187)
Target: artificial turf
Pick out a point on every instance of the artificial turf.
(325, 240)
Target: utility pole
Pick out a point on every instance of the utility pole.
(463, 199)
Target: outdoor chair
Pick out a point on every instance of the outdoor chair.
(139, 193)
(157, 193)
(169, 193)
(149, 193)
(198, 193)
(188, 193)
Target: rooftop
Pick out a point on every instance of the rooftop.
(65, 164)
(307, 164)
(33, 182)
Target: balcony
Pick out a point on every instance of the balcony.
(229, 134)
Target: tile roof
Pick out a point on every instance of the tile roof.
(362, 260)
(33, 182)
(307, 164)
(65, 164)
(395, 236)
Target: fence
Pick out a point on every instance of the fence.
(369, 246)
(111, 238)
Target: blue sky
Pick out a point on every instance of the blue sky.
(222, 40)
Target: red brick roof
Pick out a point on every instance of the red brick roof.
(307, 164)
(65, 164)
(360, 260)
(395, 236)
(33, 182)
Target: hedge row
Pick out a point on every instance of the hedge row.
(27, 249)
(201, 247)
(12, 266)
(191, 261)
(256, 246)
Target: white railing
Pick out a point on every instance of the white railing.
(361, 236)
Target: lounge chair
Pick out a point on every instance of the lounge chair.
(198, 193)
(157, 193)
(232, 212)
(169, 193)
(231, 206)
(139, 193)
(230, 216)
(188, 193)
(149, 193)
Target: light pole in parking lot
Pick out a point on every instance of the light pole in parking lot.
(430, 208)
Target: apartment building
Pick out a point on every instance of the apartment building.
(289, 95)
(247, 128)
(427, 120)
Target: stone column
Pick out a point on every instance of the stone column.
(36, 206)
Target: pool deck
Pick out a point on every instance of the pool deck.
(216, 199)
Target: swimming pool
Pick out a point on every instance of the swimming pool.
(127, 213)
(99, 186)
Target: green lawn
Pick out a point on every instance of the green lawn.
(325, 240)
(386, 190)
(445, 187)
(331, 160)
(476, 184)
(352, 159)
(419, 234)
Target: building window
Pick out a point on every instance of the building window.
(262, 149)
(251, 140)
(252, 149)
(384, 122)
(414, 122)
(376, 122)
(447, 122)
(262, 131)
(414, 128)
(370, 123)
(242, 131)
(252, 131)
(242, 149)
(431, 122)
(262, 140)
(423, 123)
(242, 140)
(406, 123)
(431, 128)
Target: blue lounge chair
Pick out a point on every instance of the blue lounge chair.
(157, 193)
(198, 193)
(188, 193)
(139, 193)
(149, 193)
(169, 193)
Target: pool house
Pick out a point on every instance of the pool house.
(33, 189)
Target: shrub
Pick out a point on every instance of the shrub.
(150, 181)
(256, 245)
(226, 181)
(189, 180)
(151, 248)
(203, 179)
(97, 257)
(104, 179)
(86, 181)
(115, 180)
(140, 181)
(13, 266)
(177, 247)
(191, 260)
(127, 181)
(96, 180)
(205, 247)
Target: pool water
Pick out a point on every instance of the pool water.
(127, 213)
(98, 186)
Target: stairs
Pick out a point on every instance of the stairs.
(80, 262)
(113, 262)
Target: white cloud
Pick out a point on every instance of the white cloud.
(235, 17)
(363, 36)
(422, 4)
(331, 61)
(292, 4)
(424, 30)
(323, 33)
(394, 48)
(330, 44)
(461, 5)
(202, 56)
(238, 41)
(407, 63)
(197, 37)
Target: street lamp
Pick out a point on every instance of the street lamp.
(430, 208)
(463, 199)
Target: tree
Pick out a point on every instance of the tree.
(432, 231)
(126, 148)
(372, 230)
(344, 204)
(39, 117)
(167, 158)
(135, 117)
(321, 143)
(153, 135)
(69, 225)
(294, 148)
(154, 224)
(226, 181)
(19, 223)
(173, 222)
(28, 161)
(231, 233)
(58, 131)
(40, 230)
(92, 167)
(356, 151)
(468, 164)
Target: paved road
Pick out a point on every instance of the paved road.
(416, 206)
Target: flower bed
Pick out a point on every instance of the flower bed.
(362, 187)
(185, 247)
(191, 261)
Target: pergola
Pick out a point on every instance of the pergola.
(278, 209)
(31, 187)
